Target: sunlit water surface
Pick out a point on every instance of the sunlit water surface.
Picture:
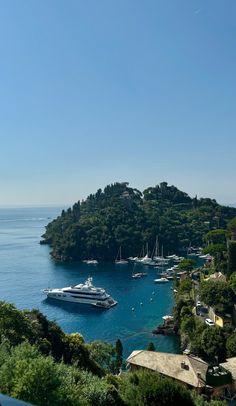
(26, 268)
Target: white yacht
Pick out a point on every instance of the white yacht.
(161, 280)
(84, 293)
(91, 261)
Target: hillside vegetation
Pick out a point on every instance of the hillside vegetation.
(122, 216)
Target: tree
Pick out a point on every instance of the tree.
(151, 347)
(232, 282)
(232, 228)
(213, 344)
(188, 325)
(231, 345)
(144, 388)
(29, 376)
(121, 215)
(119, 354)
(216, 250)
(217, 236)
(185, 286)
(14, 326)
(77, 353)
(186, 265)
(103, 354)
(231, 257)
(217, 294)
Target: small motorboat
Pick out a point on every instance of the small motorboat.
(161, 280)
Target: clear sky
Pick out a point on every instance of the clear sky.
(98, 91)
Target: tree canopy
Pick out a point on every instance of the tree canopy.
(122, 216)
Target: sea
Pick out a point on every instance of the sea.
(26, 268)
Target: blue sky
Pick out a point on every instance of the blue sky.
(99, 91)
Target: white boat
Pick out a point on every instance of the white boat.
(133, 259)
(119, 259)
(207, 257)
(146, 260)
(91, 261)
(84, 293)
(139, 275)
(161, 280)
(161, 261)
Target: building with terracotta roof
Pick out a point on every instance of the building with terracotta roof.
(191, 371)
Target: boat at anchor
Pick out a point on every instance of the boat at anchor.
(84, 293)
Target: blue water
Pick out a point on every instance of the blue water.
(26, 268)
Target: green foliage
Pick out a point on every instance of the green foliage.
(232, 282)
(217, 294)
(145, 388)
(185, 287)
(200, 401)
(213, 344)
(186, 264)
(215, 249)
(76, 353)
(188, 325)
(217, 236)
(232, 227)
(14, 326)
(186, 311)
(151, 347)
(18, 326)
(231, 345)
(119, 355)
(103, 354)
(30, 376)
(196, 338)
(231, 257)
(122, 216)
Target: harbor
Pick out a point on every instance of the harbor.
(33, 270)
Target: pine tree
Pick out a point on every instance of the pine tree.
(151, 347)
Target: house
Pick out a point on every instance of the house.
(219, 319)
(191, 371)
(217, 277)
(230, 365)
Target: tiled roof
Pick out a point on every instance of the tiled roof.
(184, 368)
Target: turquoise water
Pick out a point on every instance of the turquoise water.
(26, 268)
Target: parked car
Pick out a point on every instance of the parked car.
(209, 322)
(198, 304)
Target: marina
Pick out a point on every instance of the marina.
(26, 269)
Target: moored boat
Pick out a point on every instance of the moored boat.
(139, 275)
(84, 293)
(91, 261)
(119, 260)
(161, 280)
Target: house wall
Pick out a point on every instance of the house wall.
(218, 320)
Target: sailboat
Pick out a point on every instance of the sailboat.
(119, 259)
(156, 255)
(162, 261)
(138, 275)
(146, 260)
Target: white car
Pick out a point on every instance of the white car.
(198, 304)
(209, 322)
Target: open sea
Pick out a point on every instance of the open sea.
(26, 267)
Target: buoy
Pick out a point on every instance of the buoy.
(132, 309)
(151, 299)
(153, 293)
(141, 303)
